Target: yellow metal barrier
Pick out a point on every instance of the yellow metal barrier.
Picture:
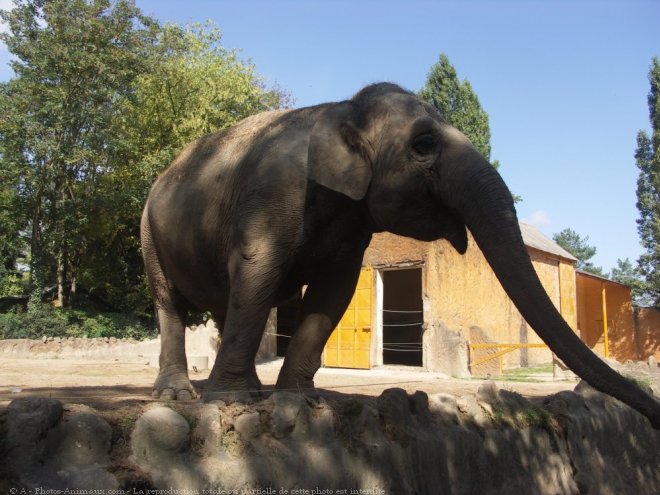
(505, 349)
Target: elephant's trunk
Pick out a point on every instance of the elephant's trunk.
(486, 205)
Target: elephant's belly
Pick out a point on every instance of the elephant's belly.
(205, 289)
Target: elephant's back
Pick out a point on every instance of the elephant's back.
(224, 185)
(218, 151)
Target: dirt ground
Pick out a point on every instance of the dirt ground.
(113, 384)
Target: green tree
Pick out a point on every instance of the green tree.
(458, 102)
(191, 86)
(75, 61)
(102, 99)
(628, 274)
(12, 242)
(647, 158)
(572, 242)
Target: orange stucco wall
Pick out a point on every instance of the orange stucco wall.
(647, 329)
(388, 249)
(468, 294)
(620, 323)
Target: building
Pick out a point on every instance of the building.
(609, 324)
(421, 304)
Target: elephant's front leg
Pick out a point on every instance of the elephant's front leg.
(233, 377)
(254, 383)
(324, 303)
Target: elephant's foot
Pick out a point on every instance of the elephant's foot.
(244, 389)
(305, 386)
(173, 384)
(231, 396)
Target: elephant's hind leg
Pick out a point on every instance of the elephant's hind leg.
(171, 311)
(173, 381)
(254, 280)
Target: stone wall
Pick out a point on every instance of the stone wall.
(202, 344)
(494, 442)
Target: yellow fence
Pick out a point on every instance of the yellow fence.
(483, 353)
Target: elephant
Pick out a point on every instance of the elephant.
(245, 217)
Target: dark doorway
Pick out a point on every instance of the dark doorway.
(403, 316)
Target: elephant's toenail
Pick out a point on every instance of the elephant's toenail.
(184, 395)
(167, 394)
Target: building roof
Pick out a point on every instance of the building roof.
(599, 277)
(532, 237)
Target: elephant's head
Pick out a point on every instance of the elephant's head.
(422, 178)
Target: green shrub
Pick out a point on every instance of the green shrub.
(42, 319)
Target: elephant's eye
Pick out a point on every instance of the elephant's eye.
(426, 144)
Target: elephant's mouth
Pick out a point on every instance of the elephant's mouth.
(449, 224)
(457, 232)
(441, 223)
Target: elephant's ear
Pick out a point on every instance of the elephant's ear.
(336, 154)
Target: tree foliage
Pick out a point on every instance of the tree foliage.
(102, 99)
(577, 245)
(628, 274)
(75, 62)
(647, 158)
(458, 102)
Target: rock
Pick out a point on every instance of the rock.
(85, 438)
(444, 408)
(287, 407)
(513, 399)
(79, 448)
(49, 450)
(248, 425)
(159, 446)
(488, 392)
(322, 422)
(419, 403)
(567, 404)
(381, 443)
(588, 392)
(465, 403)
(394, 410)
(653, 362)
(29, 420)
(469, 405)
(161, 431)
(208, 432)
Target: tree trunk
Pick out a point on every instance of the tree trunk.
(62, 296)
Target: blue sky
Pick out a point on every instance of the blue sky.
(564, 83)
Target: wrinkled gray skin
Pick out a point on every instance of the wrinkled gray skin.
(245, 217)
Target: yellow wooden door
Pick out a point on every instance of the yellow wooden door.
(349, 346)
